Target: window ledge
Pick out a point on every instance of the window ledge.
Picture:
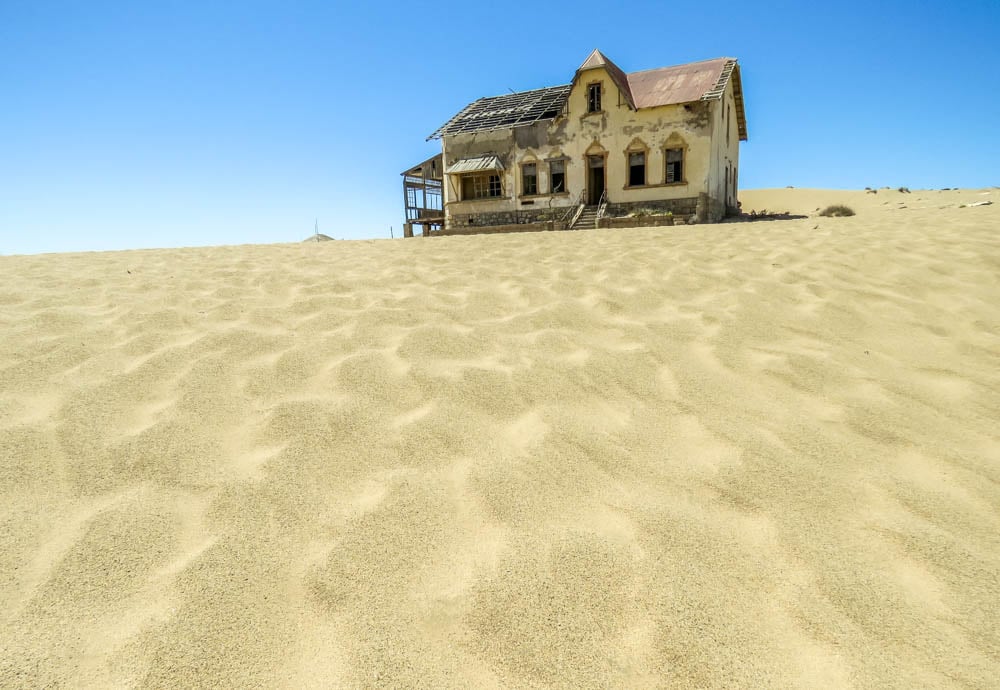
(475, 201)
(654, 186)
(530, 197)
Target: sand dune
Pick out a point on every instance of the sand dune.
(738, 455)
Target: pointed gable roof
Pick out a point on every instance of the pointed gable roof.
(597, 60)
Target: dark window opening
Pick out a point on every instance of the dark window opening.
(529, 179)
(636, 169)
(675, 165)
(557, 175)
(594, 98)
(481, 186)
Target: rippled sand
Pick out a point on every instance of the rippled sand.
(739, 455)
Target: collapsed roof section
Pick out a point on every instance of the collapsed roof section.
(504, 112)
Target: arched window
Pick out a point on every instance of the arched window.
(675, 160)
(529, 174)
(636, 163)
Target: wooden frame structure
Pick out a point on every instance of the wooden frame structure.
(422, 196)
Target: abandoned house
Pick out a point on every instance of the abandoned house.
(608, 145)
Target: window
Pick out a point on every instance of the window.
(529, 179)
(481, 186)
(636, 169)
(675, 165)
(594, 98)
(557, 175)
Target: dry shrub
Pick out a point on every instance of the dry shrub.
(837, 211)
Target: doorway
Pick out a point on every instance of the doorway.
(726, 196)
(595, 179)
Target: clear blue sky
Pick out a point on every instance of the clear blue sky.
(141, 124)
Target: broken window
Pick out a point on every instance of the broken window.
(529, 179)
(557, 175)
(594, 98)
(636, 169)
(675, 165)
(481, 186)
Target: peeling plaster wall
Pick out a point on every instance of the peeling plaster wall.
(618, 127)
(457, 147)
(695, 127)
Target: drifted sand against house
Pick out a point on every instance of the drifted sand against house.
(740, 455)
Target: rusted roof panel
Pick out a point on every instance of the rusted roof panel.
(678, 84)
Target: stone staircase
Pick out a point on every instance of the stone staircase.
(587, 219)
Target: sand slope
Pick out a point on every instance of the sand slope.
(738, 455)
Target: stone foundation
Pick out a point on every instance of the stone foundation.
(639, 222)
(704, 208)
(519, 217)
(681, 208)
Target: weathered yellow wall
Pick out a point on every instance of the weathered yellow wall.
(618, 127)
(724, 154)
(612, 131)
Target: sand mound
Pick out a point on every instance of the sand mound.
(735, 455)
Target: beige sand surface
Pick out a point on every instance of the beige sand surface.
(739, 455)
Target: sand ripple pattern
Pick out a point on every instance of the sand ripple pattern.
(754, 455)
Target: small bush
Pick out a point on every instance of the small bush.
(837, 211)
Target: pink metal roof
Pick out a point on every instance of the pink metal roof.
(678, 84)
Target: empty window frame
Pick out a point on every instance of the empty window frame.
(594, 98)
(636, 169)
(557, 176)
(529, 179)
(675, 165)
(481, 186)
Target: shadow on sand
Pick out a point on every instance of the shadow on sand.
(754, 216)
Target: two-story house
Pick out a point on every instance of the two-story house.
(609, 143)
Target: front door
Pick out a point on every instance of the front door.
(595, 179)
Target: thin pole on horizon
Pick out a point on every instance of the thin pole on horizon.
(316, 230)
(390, 233)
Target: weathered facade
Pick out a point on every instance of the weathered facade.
(608, 144)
